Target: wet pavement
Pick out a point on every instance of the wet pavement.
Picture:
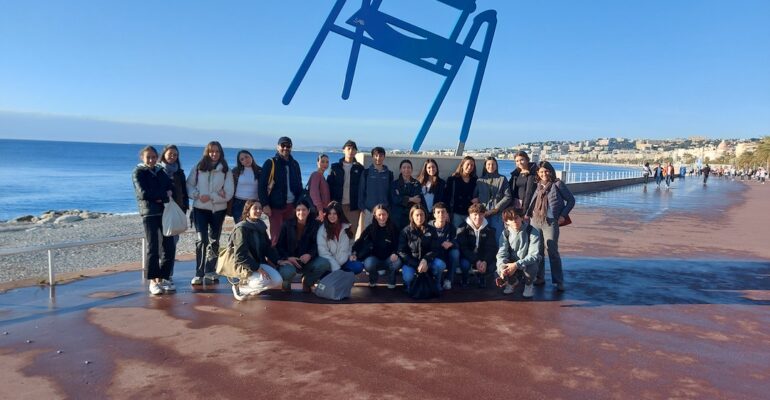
(623, 329)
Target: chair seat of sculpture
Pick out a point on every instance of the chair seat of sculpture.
(388, 34)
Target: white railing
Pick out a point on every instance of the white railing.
(599, 176)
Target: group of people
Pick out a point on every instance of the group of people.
(358, 219)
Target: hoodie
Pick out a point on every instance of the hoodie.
(477, 244)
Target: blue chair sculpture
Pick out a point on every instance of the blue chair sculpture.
(442, 55)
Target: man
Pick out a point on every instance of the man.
(447, 236)
(375, 186)
(519, 253)
(478, 245)
(280, 186)
(344, 178)
(706, 171)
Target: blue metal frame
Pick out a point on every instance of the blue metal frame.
(382, 35)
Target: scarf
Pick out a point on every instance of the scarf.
(541, 203)
(170, 168)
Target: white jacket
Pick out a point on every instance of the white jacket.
(209, 183)
(336, 251)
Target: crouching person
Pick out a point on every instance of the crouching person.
(478, 245)
(298, 250)
(252, 248)
(448, 250)
(378, 247)
(518, 257)
(335, 240)
(417, 247)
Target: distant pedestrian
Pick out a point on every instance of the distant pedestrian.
(318, 187)
(682, 171)
(669, 173)
(344, 179)
(280, 186)
(705, 171)
(245, 181)
(459, 190)
(657, 173)
(646, 172)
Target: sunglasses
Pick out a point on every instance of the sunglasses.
(285, 146)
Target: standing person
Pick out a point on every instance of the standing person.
(172, 166)
(378, 247)
(335, 240)
(211, 186)
(682, 171)
(417, 246)
(459, 190)
(523, 180)
(657, 173)
(245, 181)
(298, 249)
(705, 171)
(280, 186)
(494, 192)
(669, 172)
(252, 248)
(153, 188)
(646, 172)
(318, 187)
(550, 206)
(375, 187)
(449, 249)
(343, 180)
(518, 257)
(432, 185)
(406, 193)
(478, 245)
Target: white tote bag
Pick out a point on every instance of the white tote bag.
(174, 220)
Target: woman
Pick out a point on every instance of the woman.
(657, 173)
(378, 247)
(318, 187)
(252, 248)
(153, 188)
(211, 186)
(335, 240)
(646, 172)
(492, 190)
(407, 192)
(298, 249)
(432, 185)
(523, 181)
(418, 246)
(549, 208)
(459, 190)
(245, 180)
(172, 166)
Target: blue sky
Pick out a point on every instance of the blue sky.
(192, 71)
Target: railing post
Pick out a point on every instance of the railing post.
(144, 251)
(51, 281)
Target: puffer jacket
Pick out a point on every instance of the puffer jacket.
(477, 244)
(560, 200)
(279, 193)
(337, 252)
(209, 183)
(493, 191)
(415, 245)
(252, 246)
(151, 185)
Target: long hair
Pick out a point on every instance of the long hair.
(423, 177)
(205, 163)
(484, 173)
(549, 167)
(167, 148)
(459, 170)
(417, 208)
(390, 227)
(341, 219)
(238, 170)
(247, 209)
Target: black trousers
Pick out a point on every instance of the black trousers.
(159, 257)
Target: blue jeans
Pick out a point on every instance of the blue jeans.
(208, 225)
(372, 264)
(550, 241)
(436, 268)
(355, 267)
(312, 272)
(452, 259)
(465, 268)
(496, 221)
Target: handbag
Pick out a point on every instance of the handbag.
(567, 221)
(423, 287)
(336, 285)
(174, 220)
(227, 264)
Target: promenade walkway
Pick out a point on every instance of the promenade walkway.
(652, 325)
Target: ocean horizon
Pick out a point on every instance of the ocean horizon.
(44, 175)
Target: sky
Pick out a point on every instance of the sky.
(194, 71)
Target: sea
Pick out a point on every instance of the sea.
(38, 176)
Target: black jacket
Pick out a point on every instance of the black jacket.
(487, 249)
(414, 245)
(288, 246)
(252, 246)
(447, 233)
(376, 241)
(438, 195)
(525, 192)
(151, 185)
(399, 198)
(336, 181)
(458, 194)
(278, 195)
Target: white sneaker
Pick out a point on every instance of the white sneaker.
(391, 286)
(508, 289)
(168, 285)
(196, 280)
(372, 284)
(211, 277)
(155, 288)
(381, 272)
(529, 291)
(447, 284)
